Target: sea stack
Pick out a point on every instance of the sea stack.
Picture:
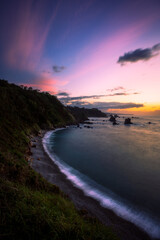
(127, 121)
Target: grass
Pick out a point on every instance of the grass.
(30, 207)
(27, 213)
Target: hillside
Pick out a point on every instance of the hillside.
(32, 208)
(82, 114)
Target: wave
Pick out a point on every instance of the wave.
(107, 200)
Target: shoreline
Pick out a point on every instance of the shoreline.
(42, 164)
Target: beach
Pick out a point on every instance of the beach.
(42, 164)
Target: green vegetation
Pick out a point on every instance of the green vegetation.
(32, 208)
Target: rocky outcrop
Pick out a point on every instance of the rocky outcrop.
(82, 114)
(127, 121)
(112, 118)
(87, 126)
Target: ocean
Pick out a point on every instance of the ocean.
(119, 165)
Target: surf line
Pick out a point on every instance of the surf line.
(139, 218)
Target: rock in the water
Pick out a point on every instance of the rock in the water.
(115, 123)
(87, 126)
(112, 118)
(88, 122)
(116, 116)
(127, 121)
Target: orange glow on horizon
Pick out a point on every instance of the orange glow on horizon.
(150, 109)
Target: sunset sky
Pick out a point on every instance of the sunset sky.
(92, 53)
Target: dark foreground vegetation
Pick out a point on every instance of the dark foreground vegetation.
(32, 208)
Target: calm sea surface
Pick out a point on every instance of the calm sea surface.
(118, 165)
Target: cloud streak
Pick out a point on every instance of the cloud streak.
(58, 69)
(62, 94)
(139, 54)
(107, 105)
(26, 47)
(68, 99)
(116, 89)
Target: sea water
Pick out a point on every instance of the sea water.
(119, 165)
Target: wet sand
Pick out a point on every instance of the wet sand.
(42, 164)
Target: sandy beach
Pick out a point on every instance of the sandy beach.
(42, 164)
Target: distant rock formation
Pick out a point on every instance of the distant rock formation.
(88, 122)
(112, 118)
(115, 123)
(127, 121)
(82, 114)
(87, 126)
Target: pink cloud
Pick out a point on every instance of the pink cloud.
(43, 82)
(25, 47)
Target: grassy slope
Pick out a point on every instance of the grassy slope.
(32, 208)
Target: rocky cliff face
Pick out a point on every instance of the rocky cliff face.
(82, 114)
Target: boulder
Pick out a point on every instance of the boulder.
(127, 121)
(33, 145)
(115, 123)
(87, 126)
(116, 116)
(112, 118)
(88, 122)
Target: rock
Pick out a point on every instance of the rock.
(33, 145)
(112, 118)
(87, 126)
(40, 133)
(116, 116)
(115, 123)
(127, 121)
(28, 152)
(136, 117)
(88, 122)
(29, 159)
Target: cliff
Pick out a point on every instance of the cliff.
(32, 208)
(82, 114)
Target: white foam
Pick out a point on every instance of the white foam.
(126, 211)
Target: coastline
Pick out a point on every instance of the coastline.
(42, 164)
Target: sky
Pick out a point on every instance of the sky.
(89, 53)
